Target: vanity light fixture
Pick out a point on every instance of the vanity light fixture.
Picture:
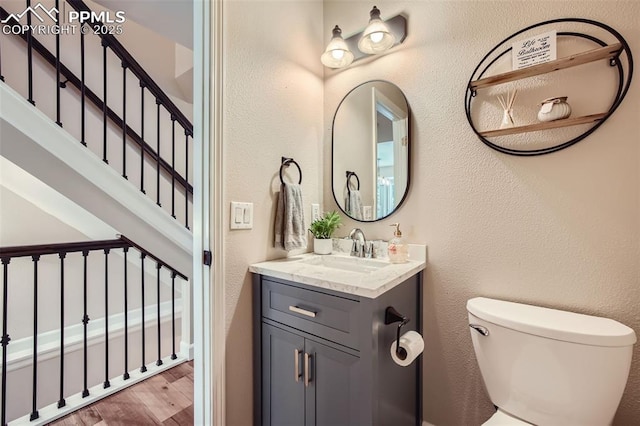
(337, 54)
(376, 38)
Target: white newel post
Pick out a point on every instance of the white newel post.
(186, 336)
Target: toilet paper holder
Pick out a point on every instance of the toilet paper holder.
(391, 316)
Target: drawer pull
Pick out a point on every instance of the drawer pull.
(296, 364)
(302, 311)
(307, 370)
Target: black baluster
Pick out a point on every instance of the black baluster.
(58, 121)
(158, 103)
(173, 314)
(34, 405)
(104, 103)
(106, 383)
(30, 55)
(85, 321)
(173, 166)
(124, 120)
(142, 138)
(82, 89)
(61, 401)
(158, 266)
(126, 376)
(186, 178)
(5, 337)
(144, 367)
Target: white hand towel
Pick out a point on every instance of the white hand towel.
(290, 231)
(355, 204)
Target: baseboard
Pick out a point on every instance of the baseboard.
(186, 350)
(426, 423)
(20, 354)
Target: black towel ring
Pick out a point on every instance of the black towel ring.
(349, 174)
(285, 163)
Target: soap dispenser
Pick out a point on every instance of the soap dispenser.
(398, 250)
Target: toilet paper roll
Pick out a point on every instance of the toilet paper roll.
(413, 345)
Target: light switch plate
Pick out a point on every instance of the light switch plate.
(241, 216)
(315, 212)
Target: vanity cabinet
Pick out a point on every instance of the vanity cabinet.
(322, 357)
(307, 382)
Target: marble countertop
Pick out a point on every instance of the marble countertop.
(307, 269)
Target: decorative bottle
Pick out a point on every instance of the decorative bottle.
(398, 251)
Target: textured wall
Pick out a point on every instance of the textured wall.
(272, 108)
(560, 230)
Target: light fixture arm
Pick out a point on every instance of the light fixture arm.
(336, 32)
(374, 14)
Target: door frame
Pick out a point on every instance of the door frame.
(208, 285)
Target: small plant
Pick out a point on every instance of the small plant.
(324, 227)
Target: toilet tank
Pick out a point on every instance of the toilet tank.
(550, 367)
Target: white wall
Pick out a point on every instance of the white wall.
(560, 230)
(272, 108)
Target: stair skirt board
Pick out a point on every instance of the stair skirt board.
(20, 355)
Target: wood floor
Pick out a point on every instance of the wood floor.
(164, 399)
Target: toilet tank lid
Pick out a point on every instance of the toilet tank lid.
(552, 323)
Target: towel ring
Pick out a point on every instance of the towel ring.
(349, 174)
(285, 163)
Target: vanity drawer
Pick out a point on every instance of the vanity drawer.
(324, 315)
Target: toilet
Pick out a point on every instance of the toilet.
(544, 366)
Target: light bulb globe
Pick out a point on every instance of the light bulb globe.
(377, 37)
(337, 53)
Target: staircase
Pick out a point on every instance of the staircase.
(81, 117)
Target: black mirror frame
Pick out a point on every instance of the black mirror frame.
(409, 169)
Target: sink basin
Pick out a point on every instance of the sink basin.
(343, 263)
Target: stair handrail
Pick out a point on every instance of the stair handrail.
(80, 246)
(137, 69)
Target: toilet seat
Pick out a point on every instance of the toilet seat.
(500, 418)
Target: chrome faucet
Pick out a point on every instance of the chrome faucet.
(360, 248)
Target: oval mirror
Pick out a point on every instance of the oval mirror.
(370, 151)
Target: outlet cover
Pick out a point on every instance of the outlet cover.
(315, 212)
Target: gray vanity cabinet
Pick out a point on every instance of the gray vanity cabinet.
(279, 347)
(322, 357)
(323, 393)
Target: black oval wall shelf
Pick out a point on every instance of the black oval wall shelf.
(603, 51)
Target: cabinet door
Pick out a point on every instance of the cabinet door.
(333, 396)
(282, 381)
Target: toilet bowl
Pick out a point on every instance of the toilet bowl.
(544, 366)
